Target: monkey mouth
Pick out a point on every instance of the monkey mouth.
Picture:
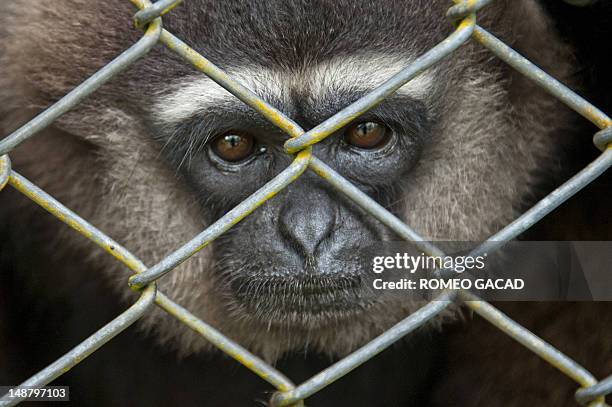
(303, 300)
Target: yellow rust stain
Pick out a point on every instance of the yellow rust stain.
(321, 173)
(276, 117)
(465, 23)
(171, 6)
(117, 251)
(596, 117)
(5, 171)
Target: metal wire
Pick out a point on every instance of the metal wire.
(463, 15)
(594, 392)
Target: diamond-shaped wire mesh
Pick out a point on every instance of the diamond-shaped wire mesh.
(463, 14)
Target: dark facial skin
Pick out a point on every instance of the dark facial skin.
(296, 260)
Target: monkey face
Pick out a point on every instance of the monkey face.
(295, 262)
(297, 259)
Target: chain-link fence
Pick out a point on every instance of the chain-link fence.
(463, 15)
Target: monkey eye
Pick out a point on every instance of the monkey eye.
(367, 135)
(233, 146)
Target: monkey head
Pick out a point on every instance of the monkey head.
(162, 151)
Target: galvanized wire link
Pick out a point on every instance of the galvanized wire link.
(603, 138)
(596, 391)
(463, 14)
(463, 9)
(150, 13)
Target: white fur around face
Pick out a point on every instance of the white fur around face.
(197, 93)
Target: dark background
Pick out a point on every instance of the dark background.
(589, 29)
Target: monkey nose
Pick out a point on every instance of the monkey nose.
(306, 221)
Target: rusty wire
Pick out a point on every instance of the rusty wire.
(463, 15)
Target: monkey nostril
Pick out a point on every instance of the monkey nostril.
(305, 227)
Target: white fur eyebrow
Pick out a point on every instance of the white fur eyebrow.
(198, 93)
(367, 73)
